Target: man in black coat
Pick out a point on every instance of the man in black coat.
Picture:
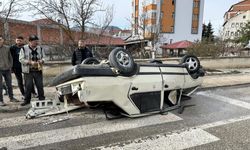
(81, 53)
(17, 68)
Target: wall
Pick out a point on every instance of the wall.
(219, 63)
(48, 34)
(183, 22)
(51, 34)
(226, 63)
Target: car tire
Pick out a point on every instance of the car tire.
(122, 60)
(192, 62)
(90, 61)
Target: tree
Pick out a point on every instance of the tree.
(207, 32)
(207, 49)
(8, 8)
(244, 34)
(204, 31)
(66, 13)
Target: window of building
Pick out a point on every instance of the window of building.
(225, 34)
(173, 15)
(236, 34)
(173, 2)
(232, 25)
(195, 17)
(237, 25)
(194, 30)
(232, 33)
(244, 17)
(154, 15)
(172, 29)
(241, 24)
(196, 4)
(136, 7)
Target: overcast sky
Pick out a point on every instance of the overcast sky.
(214, 11)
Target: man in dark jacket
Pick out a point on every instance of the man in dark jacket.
(17, 67)
(81, 53)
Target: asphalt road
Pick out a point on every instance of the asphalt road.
(220, 119)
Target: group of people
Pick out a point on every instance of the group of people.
(26, 62)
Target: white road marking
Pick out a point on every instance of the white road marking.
(226, 99)
(174, 141)
(71, 133)
(19, 121)
(223, 122)
(179, 139)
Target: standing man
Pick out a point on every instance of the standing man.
(5, 71)
(17, 67)
(81, 53)
(32, 59)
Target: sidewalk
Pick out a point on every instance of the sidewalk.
(225, 80)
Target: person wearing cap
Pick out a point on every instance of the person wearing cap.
(81, 53)
(17, 67)
(32, 59)
(5, 71)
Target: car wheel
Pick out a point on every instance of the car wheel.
(192, 62)
(90, 61)
(122, 60)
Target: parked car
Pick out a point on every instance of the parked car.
(122, 87)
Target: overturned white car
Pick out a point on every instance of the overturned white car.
(122, 87)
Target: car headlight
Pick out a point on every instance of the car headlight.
(72, 88)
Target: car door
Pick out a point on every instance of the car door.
(173, 80)
(146, 87)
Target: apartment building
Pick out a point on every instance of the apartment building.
(168, 20)
(235, 18)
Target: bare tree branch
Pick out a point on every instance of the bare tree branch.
(9, 8)
(69, 12)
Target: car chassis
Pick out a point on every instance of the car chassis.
(123, 88)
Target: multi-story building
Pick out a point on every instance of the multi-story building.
(168, 21)
(235, 18)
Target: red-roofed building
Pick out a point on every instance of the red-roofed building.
(236, 9)
(236, 18)
(175, 49)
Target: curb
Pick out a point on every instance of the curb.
(223, 86)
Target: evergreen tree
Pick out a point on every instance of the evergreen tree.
(204, 31)
(210, 32)
(207, 32)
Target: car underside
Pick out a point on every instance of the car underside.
(122, 87)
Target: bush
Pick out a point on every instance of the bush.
(206, 49)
